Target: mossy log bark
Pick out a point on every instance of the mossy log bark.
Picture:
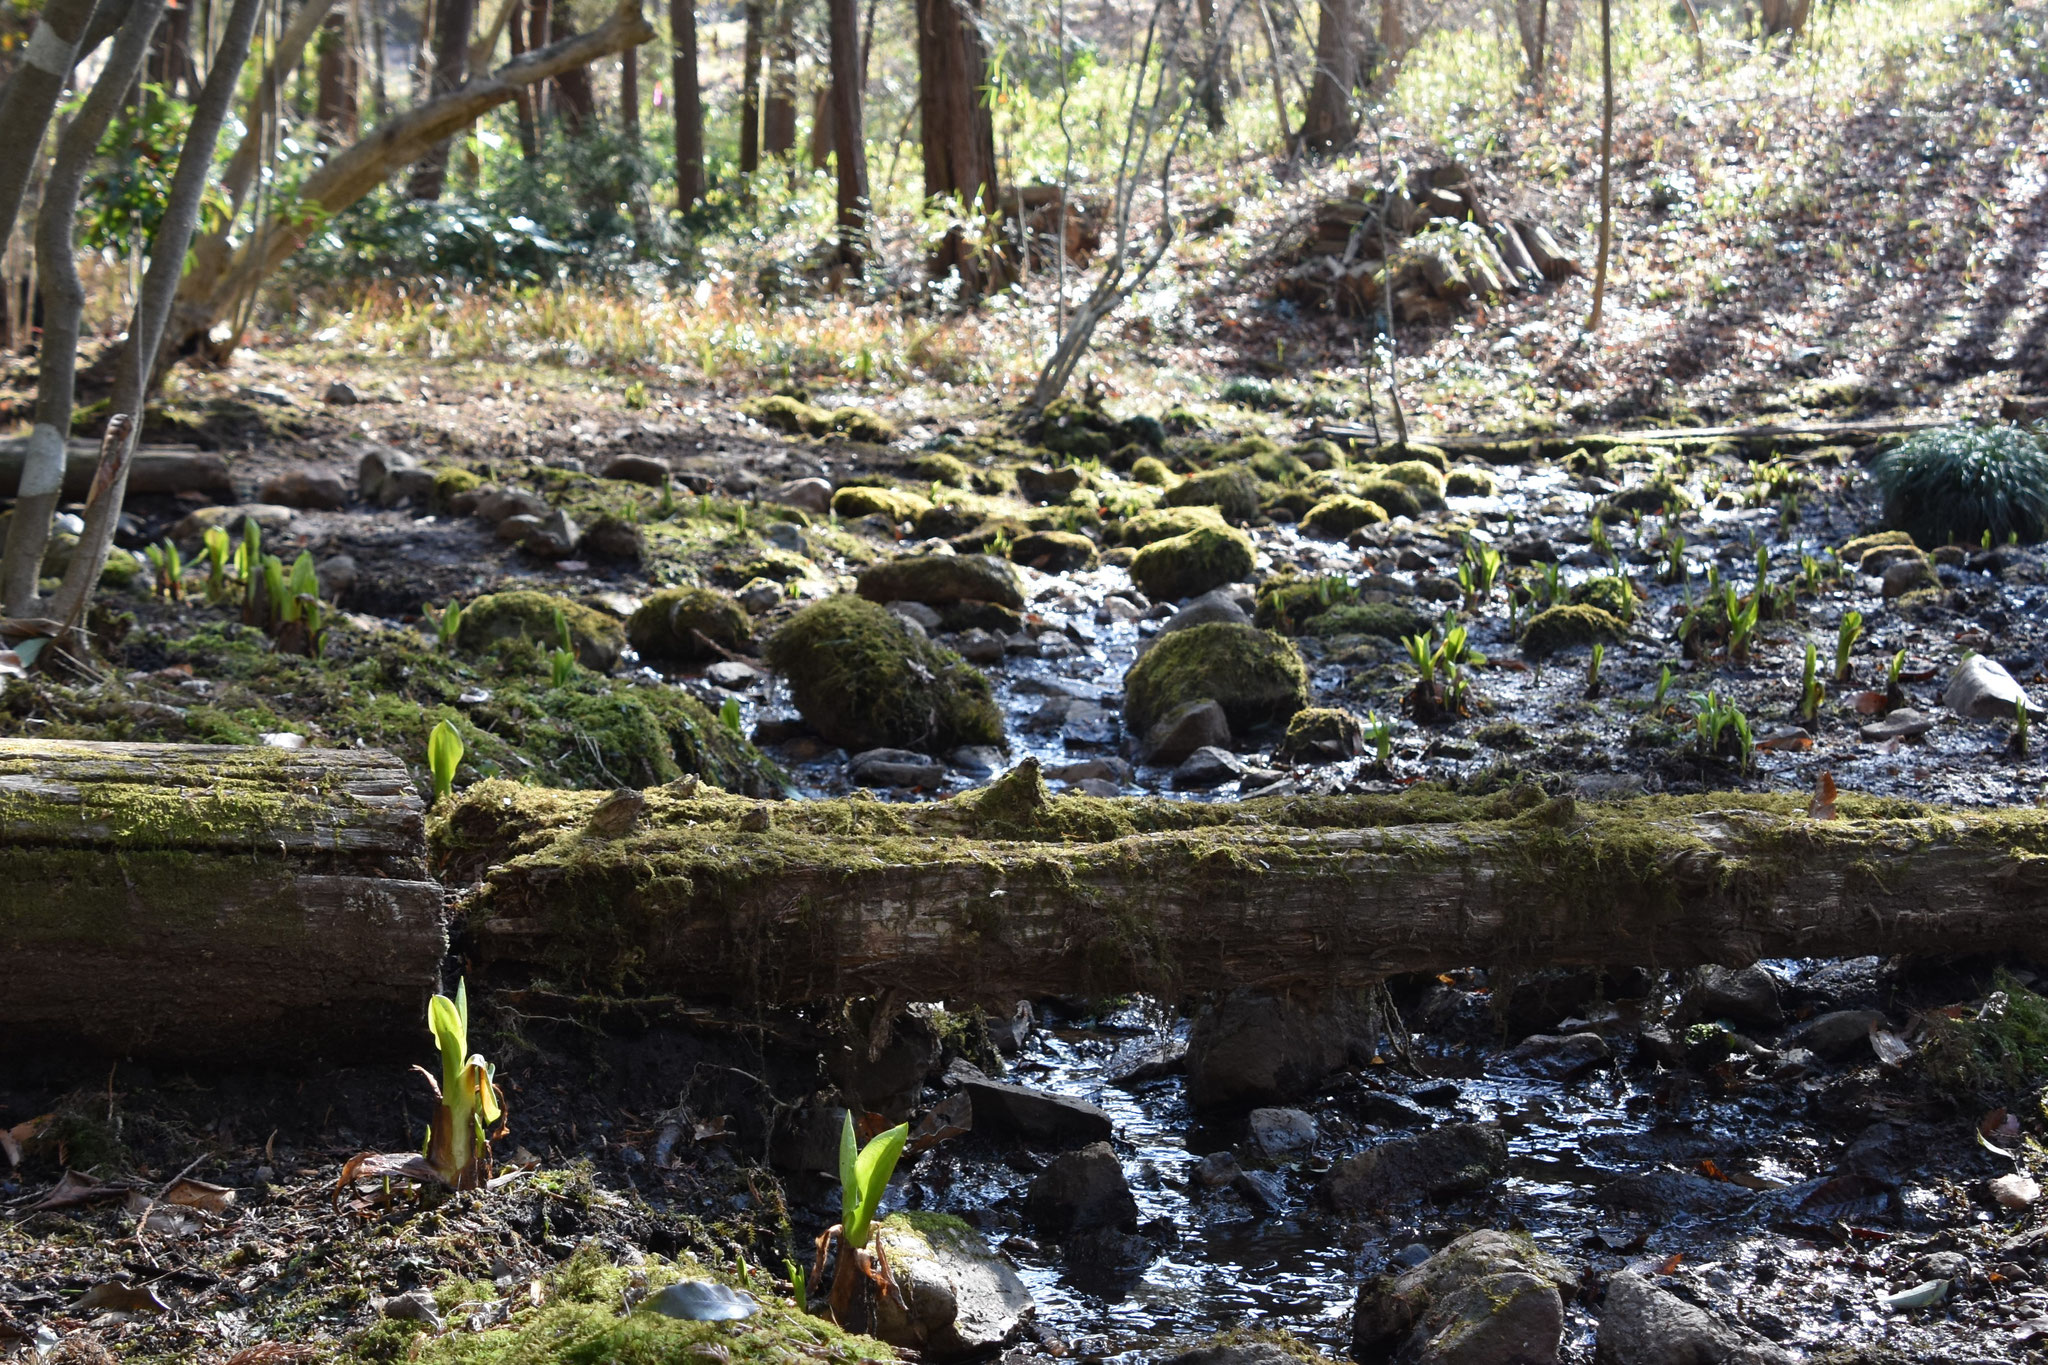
(188, 902)
(1009, 892)
(154, 469)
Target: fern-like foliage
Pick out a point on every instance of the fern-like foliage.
(1956, 483)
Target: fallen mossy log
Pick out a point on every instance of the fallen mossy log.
(154, 469)
(186, 902)
(1010, 892)
(1756, 441)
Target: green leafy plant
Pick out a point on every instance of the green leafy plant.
(1720, 726)
(1663, 690)
(1593, 662)
(863, 1177)
(167, 570)
(1809, 685)
(1962, 482)
(1480, 571)
(444, 755)
(1673, 568)
(1892, 671)
(217, 544)
(1742, 617)
(729, 716)
(636, 396)
(1379, 732)
(561, 668)
(1846, 635)
(447, 625)
(2019, 731)
(1597, 533)
(458, 1144)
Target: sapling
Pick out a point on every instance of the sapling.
(444, 755)
(1846, 636)
(863, 1177)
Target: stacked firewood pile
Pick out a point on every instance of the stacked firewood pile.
(1434, 246)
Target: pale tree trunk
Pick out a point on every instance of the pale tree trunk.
(43, 466)
(167, 250)
(1212, 87)
(1329, 122)
(453, 20)
(750, 91)
(30, 96)
(682, 23)
(823, 139)
(958, 131)
(1606, 163)
(778, 119)
(849, 137)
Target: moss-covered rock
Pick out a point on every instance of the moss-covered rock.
(1568, 627)
(1254, 675)
(1190, 564)
(1287, 603)
(864, 680)
(1425, 478)
(1153, 471)
(1322, 734)
(863, 424)
(1337, 516)
(1650, 497)
(939, 467)
(778, 566)
(1397, 452)
(792, 416)
(1395, 498)
(1232, 490)
(1470, 481)
(1287, 504)
(1388, 620)
(450, 481)
(524, 614)
(1853, 552)
(858, 501)
(689, 625)
(1072, 428)
(938, 579)
(1159, 523)
(1246, 448)
(1054, 551)
(1612, 595)
(1319, 454)
(1279, 466)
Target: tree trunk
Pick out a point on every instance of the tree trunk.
(778, 120)
(1393, 35)
(453, 19)
(682, 21)
(1212, 79)
(578, 100)
(540, 18)
(1328, 121)
(1606, 163)
(170, 64)
(336, 113)
(823, 139)
(154, 469)
(629, 95)
(31, 94)
(40, 473)
(523, 97)
(750, 91)
(849, 136)
(1010, 892)
(189, 902)
(959, 134)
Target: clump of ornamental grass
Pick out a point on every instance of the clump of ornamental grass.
(1967, 484)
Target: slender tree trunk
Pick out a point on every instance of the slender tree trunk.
(823, 139)
(540, 19)
(778, 121)
(682, 23)
(523, 98)
(958, 131)
(336, 113)
(1393, 35)
(849, 137)
(31, 94)
(1606, 163)
(750, 91)
(1273, 67)
(453, 19)
(63, 296)
(1328, 122)
(171, 64)
(629, 95)
(1212, 85)
(167, 251)
(579, 101)
(379, 90)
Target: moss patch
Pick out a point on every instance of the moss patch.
(690, 625)
(1256, 676)
(1468, 481)
(1389, 620)
(1159, 523)
(1340, 514)
(864, 680)
(524, 614)
(1568, 627)
(885, 502)
(1191, 564)
(1232, 490)
(1396, 498)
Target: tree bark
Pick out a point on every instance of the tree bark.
(210, 295)
(523, 98)
(1010, 892)
(1606, 163)
(540, 17)
(453, 19)
(958, 132)
(188, 902)
(682, 20)
(31, 94)
(778, 119)
(849, 136)
(1212, 79)
(750, 90)
(336, 113)
(1328, 121)
(629, 95)
(41, 471)
(154, 469)
(578, 100)
(1393, 35)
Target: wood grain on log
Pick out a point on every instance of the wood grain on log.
(154, 469)
(187, 902)
(1009, 892)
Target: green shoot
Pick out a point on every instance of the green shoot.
(1846, 636)
(561, 668)
(1741, 620)
(1719, 723)
(167, 569)
(1663, 690)
(1809, 685)
(216, 539)
(1674, 557)
(1891, 676)
(1593, 663)
(796, 1284)
(1422, 656)
(1380, 731)
(863, 1176)
(1598, 534)
(729, 716)
(447, 624)
(562, 637)
(444, 755)
(458, 1143)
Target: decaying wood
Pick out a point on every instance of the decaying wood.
(186, 902)
(1011, 892)
(153, 469)
(1782, 437)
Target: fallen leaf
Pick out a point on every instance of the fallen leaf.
(386, 1166)
(112, 1296)
(75, 1189)
(1919, 1296)
(1891, 1049)
(1822, 806)
(1787, 741)
(1710, 1170)
(2015, 1191)
(1670, 1263)
(197, 1194)
(1868, 703)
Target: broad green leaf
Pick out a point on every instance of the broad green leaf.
(877, 1162)
(849, 1176)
